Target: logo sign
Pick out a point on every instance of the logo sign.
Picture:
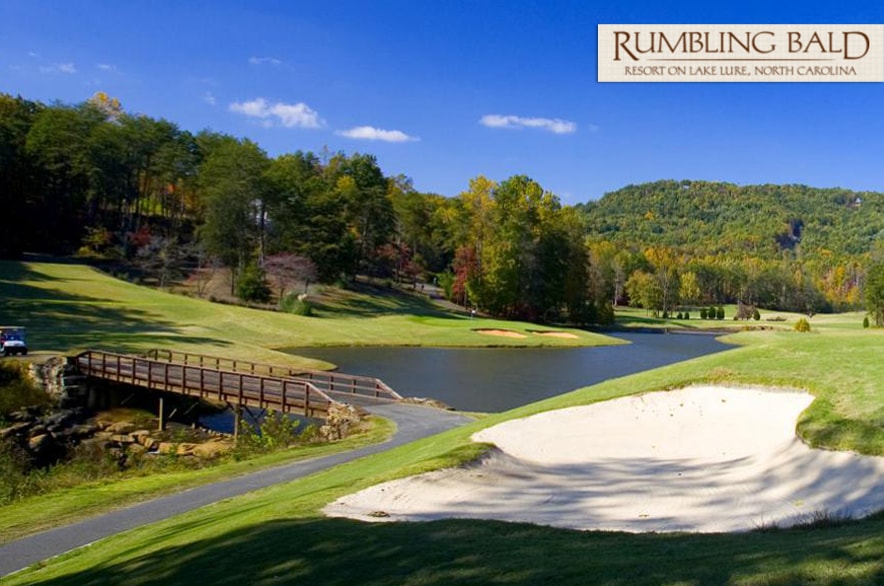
(734, 52)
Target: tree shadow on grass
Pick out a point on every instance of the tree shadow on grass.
(441, 553)
(366, 299)
(60, 321)
(17, 272)
(695, 323)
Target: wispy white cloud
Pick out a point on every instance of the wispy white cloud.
(372, 133)
(209, 98)
(288, 115)
(264, 61)
(106, 67)
(554, 125)
(67, 68)
(33, 54)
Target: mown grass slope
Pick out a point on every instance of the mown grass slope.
(278, 536)
(69, 307)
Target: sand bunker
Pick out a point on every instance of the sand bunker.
(703, 459)
(504, 333)
(567, 335)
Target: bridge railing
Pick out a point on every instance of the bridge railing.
(238, 388)
(329, 382)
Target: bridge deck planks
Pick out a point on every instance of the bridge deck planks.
(287, 395)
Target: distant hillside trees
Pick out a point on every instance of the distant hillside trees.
(234, 194)
(521, 254)
(689, 288)
(644, 291)
(68, 170)
(96, 180)
(786, 247)
(875, 293)
(764, 221)
(421, 232)
(18, 177)
(665, 280)
(307, 214)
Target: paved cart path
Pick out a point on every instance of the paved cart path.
(413, 422)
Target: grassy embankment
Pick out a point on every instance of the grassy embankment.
(67, 308)
(277, 535)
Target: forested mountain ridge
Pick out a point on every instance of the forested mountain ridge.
(726, 219)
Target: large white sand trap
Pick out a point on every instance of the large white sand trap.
(697, 459)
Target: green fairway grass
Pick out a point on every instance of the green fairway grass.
(272, 550)
(635, 317)
(278, 536)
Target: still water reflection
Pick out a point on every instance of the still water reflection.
(497, 379)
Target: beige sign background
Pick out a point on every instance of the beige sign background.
(740, 53)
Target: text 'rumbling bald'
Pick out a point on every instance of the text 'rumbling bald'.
(720, 53)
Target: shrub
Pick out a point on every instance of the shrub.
(91, 461)
(275, 431)
(252, 285)
(756, 315)
(14, 468)
(744, 311)
(703, 313)
(687, 315)
(679, 316)
(866, 321)
(446, 281)
(98, 243)
(17, 391)
(720, 313)
(802, 325)
(278, 430)
(297, 304)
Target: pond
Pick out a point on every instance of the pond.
(497, 379)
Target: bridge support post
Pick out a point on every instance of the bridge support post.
(237, 421)
(162, 420)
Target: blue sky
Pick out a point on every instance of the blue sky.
(444, 91)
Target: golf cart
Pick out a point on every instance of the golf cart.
(12, 341)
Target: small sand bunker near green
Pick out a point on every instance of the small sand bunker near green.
(503, 333)
(552, 334)
(704, 459)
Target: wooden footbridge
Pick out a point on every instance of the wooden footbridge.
(236, 383)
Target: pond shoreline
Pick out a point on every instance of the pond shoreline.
(492, 379)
